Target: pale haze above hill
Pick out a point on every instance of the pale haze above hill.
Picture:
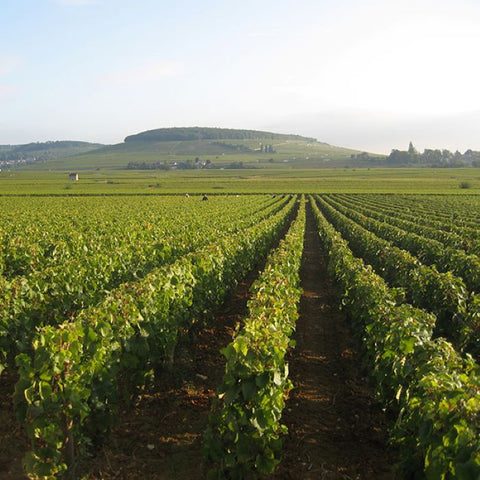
(370, 75)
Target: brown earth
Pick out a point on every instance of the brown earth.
(13, 443)
(336, 428)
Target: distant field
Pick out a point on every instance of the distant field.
(360, 180)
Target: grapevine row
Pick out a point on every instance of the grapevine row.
(49, 296)
(467, 240)
(69, 388)
(245, 430)
(447, 212)
(57, 231)
(434, 391)
(428, 251)
(440, 293)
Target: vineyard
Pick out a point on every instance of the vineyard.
(105, 303)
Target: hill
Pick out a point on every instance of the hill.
(205, 133)
(38, 152)
(198, 147)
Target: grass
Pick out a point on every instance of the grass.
(272, 180)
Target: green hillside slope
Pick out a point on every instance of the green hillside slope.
(38, 152)
(196, 147)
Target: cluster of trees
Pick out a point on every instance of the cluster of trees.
(429, 158)
(204, 133)
(433, 158)
(234, 147)
(266, 148)
(186, 165)
(148, 166)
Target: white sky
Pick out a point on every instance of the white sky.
(371, 75)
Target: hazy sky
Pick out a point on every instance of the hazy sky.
(366, 74)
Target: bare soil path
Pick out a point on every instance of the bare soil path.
(336, 428)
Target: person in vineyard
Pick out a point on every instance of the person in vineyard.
(204, 197)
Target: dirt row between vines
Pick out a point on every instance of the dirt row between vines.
(336, 428)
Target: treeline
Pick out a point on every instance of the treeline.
(429, 158)
(263, 148)
(207, 133)
(148, 166)
(433, 158)
(267, 149)
(186, 165)
(234, 147)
